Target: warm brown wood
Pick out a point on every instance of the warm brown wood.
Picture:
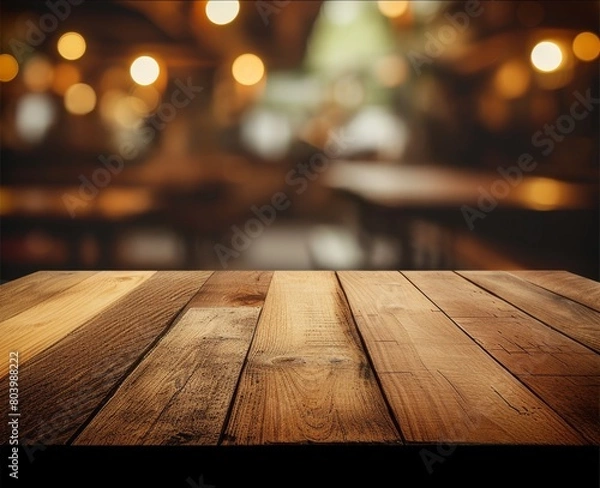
(234, 289)
(525, 346)
(259, 357)
(307, 378)
(577, 321)
(45, 323)
(19, 295)
(577, 288)
(454, 295)
(61, 387)
(441, 385)
(181, 391)
(576, 397)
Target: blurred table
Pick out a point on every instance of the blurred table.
(389, 197)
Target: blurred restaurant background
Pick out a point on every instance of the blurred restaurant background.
(277, 134)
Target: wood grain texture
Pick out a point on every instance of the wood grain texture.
(180, 393)
(577, 288)
(19, 295)
(576, 397)
(62, 386)
(441, 385)
(529, 349)
(234, 289)
(306, 378)
(45, 323)
(573, 319)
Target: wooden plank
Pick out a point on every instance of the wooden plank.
(577, 288)
(528, 348)
(40, 326)
(576, 397)
(441, 385)
(234, 289)
(462, 301)
(307, 378)
(19, 295)
(180, 393)
(63, 385)
(573, 319)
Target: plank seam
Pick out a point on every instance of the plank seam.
(529, 313)
(238, 382)
(552, 291)
(111, 393)
(576, 431)
(365, 349)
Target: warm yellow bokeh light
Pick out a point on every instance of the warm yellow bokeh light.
(222, 12)
(80, 99)
(391, 8)
(546, 56)
(8, 67)
(71, 46)
(586, 46)
(65, 75)
(512, 79)
(144, 70)
(38, 74)
(248, 69)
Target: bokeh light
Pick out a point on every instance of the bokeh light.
(71, 45)
(38, 74)
(512, 79)
(391, 8)
(586, 46)
(248, 69)
(35, 114)
(65, 75)
(221, 12)
(144, 70)
(546, 56)
(80, 99)
(8, 67)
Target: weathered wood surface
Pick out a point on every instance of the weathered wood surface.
(290, 357)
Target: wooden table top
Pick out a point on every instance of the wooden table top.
(294, 357)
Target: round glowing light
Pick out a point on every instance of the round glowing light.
(80, 99)
(35, 114)
(248, 69)
(8, 67)
(586, 46)
(38, 74)
(65, 75)
(512, 79)
(546, 56)
(392, 9)
(222, 12)
(144, 70)
(71, 46)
